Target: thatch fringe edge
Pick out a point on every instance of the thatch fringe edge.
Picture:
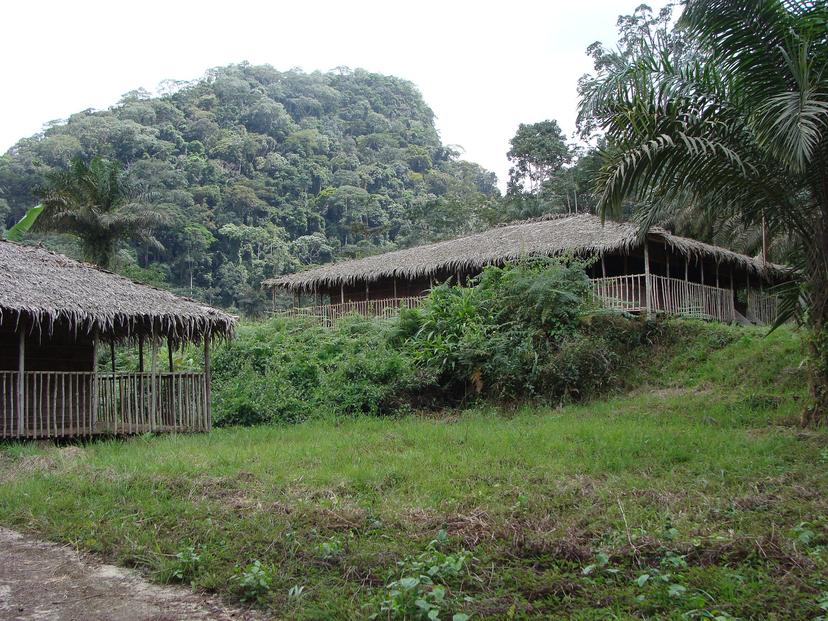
(120, 326)
(692, 249)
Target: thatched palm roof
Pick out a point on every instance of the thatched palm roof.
(579, 234)
(40, 289)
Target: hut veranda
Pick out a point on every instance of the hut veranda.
(655, 273)
(56, 314)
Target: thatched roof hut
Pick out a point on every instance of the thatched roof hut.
(581, 234)
(42, 289)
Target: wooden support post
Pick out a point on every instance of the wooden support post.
(153, 387)
(717, 274)
(395, 287)
(207, 395)
(603, 267)
(141, 353)
(367, 295)
(112, 355)
(648, 289)
(170, 352)
(732, 293)
(21, 384)
(747, 294)
(93, 418)
(701, 267)
(342, 293)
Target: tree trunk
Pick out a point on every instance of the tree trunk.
(816, 413)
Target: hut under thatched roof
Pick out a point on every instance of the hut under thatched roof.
(580, 234)
(652, 270)
(54, 314)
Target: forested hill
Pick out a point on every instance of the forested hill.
(262, 172)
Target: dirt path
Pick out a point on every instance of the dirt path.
(45, 582)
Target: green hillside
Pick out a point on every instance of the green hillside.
(262, 172)
(691, 497)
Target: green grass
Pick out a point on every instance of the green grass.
(697, 479)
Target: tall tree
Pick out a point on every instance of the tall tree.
(738, 128)
(93, 202)
(537, 151)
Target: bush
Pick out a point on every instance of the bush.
(288, 370)
(517, 334)
(525, 331)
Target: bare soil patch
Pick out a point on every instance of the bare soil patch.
(43, 581)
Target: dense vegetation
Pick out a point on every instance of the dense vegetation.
(259, 172)
(726, 117)
(526, 331)
(690, 498)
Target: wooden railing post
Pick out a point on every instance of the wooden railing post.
(207, 409)
(153, 392)
(21, 384)
(93, 418)
(648, 289)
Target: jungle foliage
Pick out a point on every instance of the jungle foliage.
(727, 120)
(259, 172)
(523, 332)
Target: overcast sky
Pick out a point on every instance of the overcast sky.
(483, 67)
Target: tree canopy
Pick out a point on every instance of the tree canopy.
(93, 202)
(260, 172)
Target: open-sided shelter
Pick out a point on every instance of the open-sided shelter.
(635, 272)
(57, 313)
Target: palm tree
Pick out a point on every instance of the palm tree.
(94, 202)
(734, 122)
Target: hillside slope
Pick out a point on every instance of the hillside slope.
(262, 172)
(689, 498)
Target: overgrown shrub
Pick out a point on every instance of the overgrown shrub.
(288, 370)
(515, 334)
(525, 331)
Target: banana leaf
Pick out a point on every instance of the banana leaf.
(16, 232)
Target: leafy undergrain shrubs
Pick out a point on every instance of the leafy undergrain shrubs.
(254, 581)
(422, 586)
(288, 371)
(524, 331)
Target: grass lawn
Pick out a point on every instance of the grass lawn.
(693, 497)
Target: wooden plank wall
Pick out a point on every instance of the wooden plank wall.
(59, 352)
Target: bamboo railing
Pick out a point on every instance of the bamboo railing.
(674, 296)
(632, 293)
(330, 314)
(670, 296)
(141, 402)
(624, 293)
(761, 307)
(54, 404)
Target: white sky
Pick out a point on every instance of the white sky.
(483, 67)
